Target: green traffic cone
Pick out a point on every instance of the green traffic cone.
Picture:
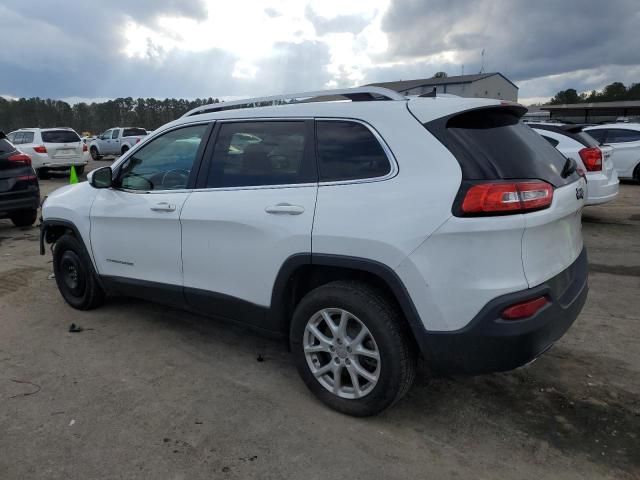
(73, 177)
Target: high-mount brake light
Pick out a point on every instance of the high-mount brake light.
(592, 158)
(507, 197)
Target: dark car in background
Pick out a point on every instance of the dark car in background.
(19, 189)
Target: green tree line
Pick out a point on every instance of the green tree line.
(148, 113)
(614, 92)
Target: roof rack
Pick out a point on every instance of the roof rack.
(358, 94)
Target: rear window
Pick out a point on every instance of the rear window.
(6, 146)
(587, 139)
(493, 144)
(134, 132)
(60, 136)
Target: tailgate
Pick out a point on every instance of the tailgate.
(552, 238)
(63, 146)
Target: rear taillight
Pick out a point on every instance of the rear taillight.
(40, 149)
(592, 158)
(507, 197)
(85, 148)
(527, 309)
(27, 178)
(20, 157)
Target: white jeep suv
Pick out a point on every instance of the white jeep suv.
(367, 232)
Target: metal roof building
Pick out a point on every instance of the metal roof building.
(482, 85)
(593, 112)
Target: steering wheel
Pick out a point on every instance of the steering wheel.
(178, 178)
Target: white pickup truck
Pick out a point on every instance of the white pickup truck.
(115, 141)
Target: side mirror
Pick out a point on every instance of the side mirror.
(101, 178)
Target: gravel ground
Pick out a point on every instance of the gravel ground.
(150, 392)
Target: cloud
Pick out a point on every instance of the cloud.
(521, 39)
(195, 48)
(338, 24)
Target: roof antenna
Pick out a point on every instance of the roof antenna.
(431, 94)
(482, 65)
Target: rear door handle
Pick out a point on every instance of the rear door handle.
(284, 209)
(163, 207)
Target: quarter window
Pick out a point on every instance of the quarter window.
(260, 153)
(599, 134)
(347, 151)
(164, 163)
(552, 141)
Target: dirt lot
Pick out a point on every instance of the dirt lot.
(149, 392)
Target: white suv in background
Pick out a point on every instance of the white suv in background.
(625, 140)
(366, 232)
(51, 148)
(593, 160)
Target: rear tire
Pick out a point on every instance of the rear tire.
(25, 218)
(636, 173)
(94, 153)
(80, 170)
(323, 353)
(124, 150)
(75, 276)
(43, 174)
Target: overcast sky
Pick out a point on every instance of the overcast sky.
(84, 49)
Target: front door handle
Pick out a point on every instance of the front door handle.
(284, 209)
(163, 207)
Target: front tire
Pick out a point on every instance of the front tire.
(75, 275)
(636, 173)
(352, 348)
(25, 218)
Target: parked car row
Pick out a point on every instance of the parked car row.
(19, 189)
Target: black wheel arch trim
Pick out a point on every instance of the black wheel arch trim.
(382, 271)
(59, 222)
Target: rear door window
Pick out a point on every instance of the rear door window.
(260, 153)
(493, 144)
(115, 133)
(348, 151)
(60, 136)
(134, 132)
(619, 135)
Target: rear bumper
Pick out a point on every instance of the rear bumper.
(491, 344)
(601, 189)
(11, 203)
